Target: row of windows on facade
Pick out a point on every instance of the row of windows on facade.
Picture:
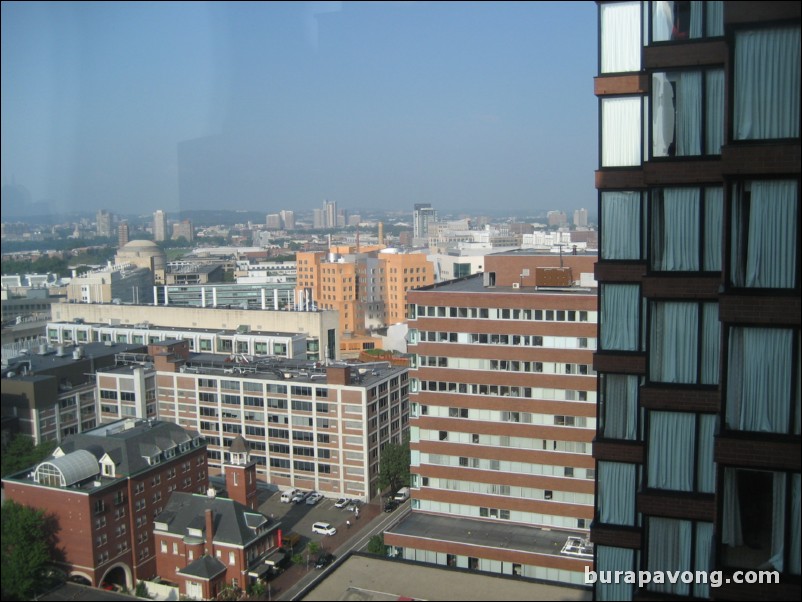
(472, 338)
(681, 229)
(524, 468)
(484, 390)
(517, 492)
(487, 415)
(469, 363)
(503, 313)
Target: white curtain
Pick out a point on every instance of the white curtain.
(714, 111)
(619, 317)
(616, 493)
(621, 131)
(621, 216)
(662, 21)
(672, 437)
(689, 114)
(771, 239)
(675, 240)
(715, 18)
(759, 379)
(614, 559)
(714, 220)
(703, 560)
(704, 461)
(620, 37)
(711, 343)
(620, 406)
(674, 337)
(663, 115)
(669, 550)
(767, 82)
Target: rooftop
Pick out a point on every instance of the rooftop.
(475, 284)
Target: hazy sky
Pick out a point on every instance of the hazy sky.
(263, 106)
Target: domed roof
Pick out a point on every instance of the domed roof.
(142, 253)
(140, 245)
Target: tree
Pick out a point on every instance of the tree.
(27, 541)
(21, 454)
(141, 590)
(394, 466)
(376, 545)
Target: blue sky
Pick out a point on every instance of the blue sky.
(263, 106)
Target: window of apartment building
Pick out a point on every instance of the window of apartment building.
(678, 21)
(620, 317)
(621, 125)
(622, 216)
(767, 73)
(758, 530)
(615, 495)
(686, 229)
(687, 111)
(620, 37)
(679, 545)
(616, 559)
(684, 343)
(761, 380)
(619, 406)
(764, 245)
(680, 451)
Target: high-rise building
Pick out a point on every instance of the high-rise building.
(287, 219)
(330, 211)
(556, 218)
(503, 404)
(273, 221)
(184, 229)
(318, 219)
(422, 217)
(698, 440)
(581, 217)
(159, 226)
(104, 220)
(123, 235)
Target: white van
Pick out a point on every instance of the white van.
(286, 496)
(402, 495)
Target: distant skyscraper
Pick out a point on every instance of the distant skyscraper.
(557, 218)
(104, 219)
(184, 230)
(274, 221)
(287, 219)
(319, 219)
(123, 234)
(581, 217)
(330, 207)
(159, 226)
(422, 217)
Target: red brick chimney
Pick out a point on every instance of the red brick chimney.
(210, 532)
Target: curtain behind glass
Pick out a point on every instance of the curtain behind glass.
(703, 557)
(614, 559)
(675, 240)
(620, 406)
(794, 542)
(619, 317)
(759, 379)
(621, 135)
(767, 81)
(731, 530)
(672, 437)
(714, 219)
(621, 219)
(669, 550)
(715, 18)
(777, 559)
(689, 114)
(711, 343)
(771, 252)
(616, 493)
(714, 111)
(674, 337)
(620, 37)
(663, 115)
(704, 462)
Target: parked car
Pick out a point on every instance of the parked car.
(314, 498)
(299, 497)
(390, 505)
(287, 496)
(342, 502)
(324, 529)
(324, 560)
(354, 505)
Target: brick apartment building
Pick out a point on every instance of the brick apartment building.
(698, 441)
(105, 487)
(503, 415)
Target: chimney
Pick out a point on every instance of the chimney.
(210, 532)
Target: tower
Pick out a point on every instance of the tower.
(240, 473)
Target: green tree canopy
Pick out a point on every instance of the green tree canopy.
(394, 466)
(376, 546)
(27, 538)
(21, 453)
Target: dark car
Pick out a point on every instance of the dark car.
(390, 506)
(324, 560)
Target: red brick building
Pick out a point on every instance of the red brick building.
(503, 403)
(105, 487)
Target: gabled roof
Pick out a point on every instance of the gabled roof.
(234, 523)
(204, 567)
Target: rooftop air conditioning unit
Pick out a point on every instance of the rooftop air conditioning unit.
(516, 285)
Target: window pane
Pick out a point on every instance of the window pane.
(620, 406)
(616, 493)
(621, 216)
(621, 131)
(767, 80)
(674, 340)
(672, 437)
(669, 550)
(619, 317)
(711, 343)
(620, 37)
(714, 111)
(677, 114)
(675, 229)
(714, 212)
(614, 559)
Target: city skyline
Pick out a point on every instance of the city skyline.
(283, 105)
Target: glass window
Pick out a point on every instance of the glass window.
(620, 37)
(676, 330)
(680, 453)
(677, 21)
(614, 559)
(621, 131)
(621, 218)
(616, 493)
(767, 81)
(620, 317)
(619, 406)
(681, 103)
(764, 244)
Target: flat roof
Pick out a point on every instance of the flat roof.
(475, 284)
(156, 327)
(371, 578)
(487, 534)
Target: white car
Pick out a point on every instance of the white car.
(342, 502)
(314, 498)
(324, 529)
